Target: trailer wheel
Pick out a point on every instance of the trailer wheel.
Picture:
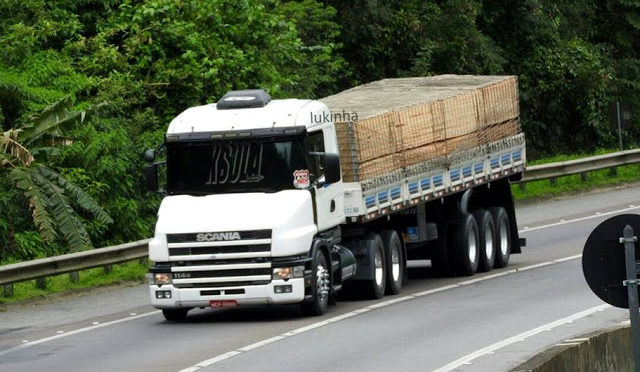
(320, 288)
(466, 245)
(487, 233)
(375, 287)
(175, 315)
(395, 266)
(503, 236)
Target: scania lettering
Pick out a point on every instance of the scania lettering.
(292, 201)
(209, 237)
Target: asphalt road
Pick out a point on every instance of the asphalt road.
(489, 322)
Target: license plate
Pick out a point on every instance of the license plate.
(219, 304)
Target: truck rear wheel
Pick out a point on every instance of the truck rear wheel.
(175, 315)
(321, 283)
(503, 236)
(395, 265)
(466, 252)
(375, 287)
(487, 232)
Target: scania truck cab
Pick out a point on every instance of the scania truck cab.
(253, 202)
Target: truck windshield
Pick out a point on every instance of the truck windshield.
(216, 167)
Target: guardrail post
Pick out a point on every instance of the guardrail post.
(553, 181)
(108, 269)
(144, 261)
(523, 186)
(7, 290)
(41, 283)
(613, 171)
(584, 176)
(74, 276)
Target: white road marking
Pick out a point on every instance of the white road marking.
(520, 337)
(74, 332)
(528, 229)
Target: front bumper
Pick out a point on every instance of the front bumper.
(253, 295)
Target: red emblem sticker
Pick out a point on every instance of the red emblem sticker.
(301, 179)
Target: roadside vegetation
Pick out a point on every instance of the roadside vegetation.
(87, 86)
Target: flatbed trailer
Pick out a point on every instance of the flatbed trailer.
(291, 201)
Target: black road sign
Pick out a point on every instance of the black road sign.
(603, 259)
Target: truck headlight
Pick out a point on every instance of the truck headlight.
(282, 273)
(286, 273)
(162, 278)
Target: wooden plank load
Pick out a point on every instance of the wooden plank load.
(391, 124)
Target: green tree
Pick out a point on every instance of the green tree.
(50, 197)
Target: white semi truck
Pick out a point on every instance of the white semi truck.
(287, 201)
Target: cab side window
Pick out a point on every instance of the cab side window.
(314, 142)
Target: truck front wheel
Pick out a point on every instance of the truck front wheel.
(321, 283)
(175, 315)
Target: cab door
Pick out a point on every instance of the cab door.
(329, 198)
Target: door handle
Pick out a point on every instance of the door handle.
(333, 206)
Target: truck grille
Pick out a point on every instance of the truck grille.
(188, 251)
(220, 259)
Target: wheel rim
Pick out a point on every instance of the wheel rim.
(504, 237)
(322, 283)
(473, 246)
(379, 268)
(395, 263)
(488, 241)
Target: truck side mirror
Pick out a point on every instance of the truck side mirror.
(331, 165)
(151, 177)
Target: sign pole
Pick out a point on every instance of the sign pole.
(619, 124)
(629, 240)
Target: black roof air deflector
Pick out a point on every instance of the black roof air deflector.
(238, 99)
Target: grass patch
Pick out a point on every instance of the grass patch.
(574, 183)
(130, 271)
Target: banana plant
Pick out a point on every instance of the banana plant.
(50, 196)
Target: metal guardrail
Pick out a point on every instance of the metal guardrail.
(75, 262)
(577, 166)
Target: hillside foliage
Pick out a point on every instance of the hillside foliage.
(114, 73)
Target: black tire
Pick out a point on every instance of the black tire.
(502, 237)
(321, 287)
(175, 315)
(395, 265)
(486, 233)
(374, 288)
(465, 246)
(440, 254)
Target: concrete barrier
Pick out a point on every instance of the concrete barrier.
(602, 351)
